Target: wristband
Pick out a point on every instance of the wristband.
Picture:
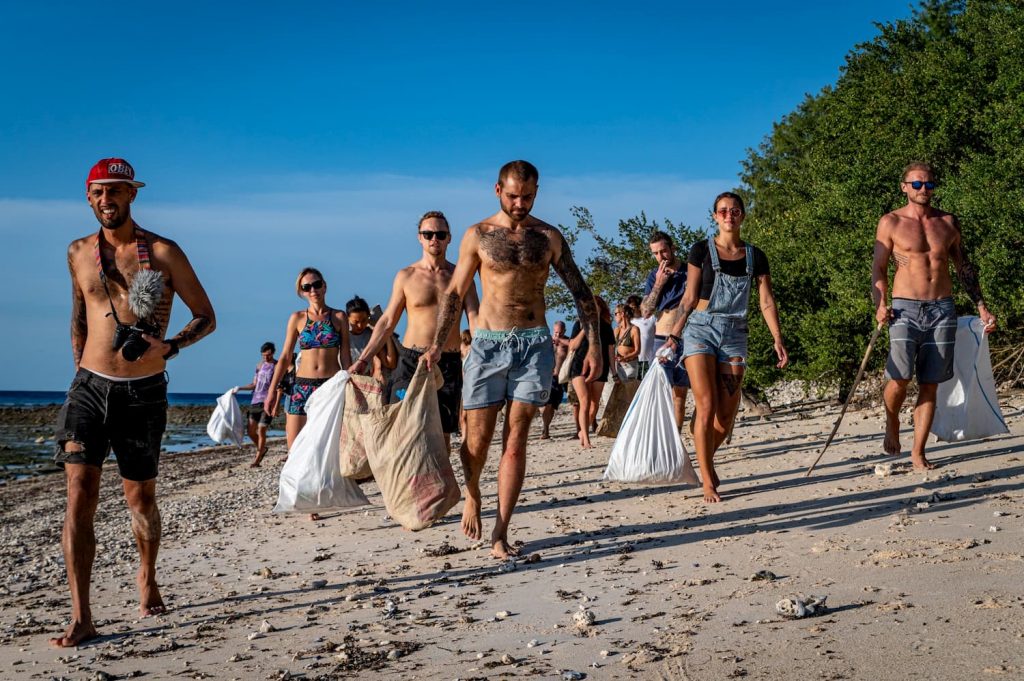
(675, 338)
(173, 352)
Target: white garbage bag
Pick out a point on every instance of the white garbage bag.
(648, 449)
(226, 424)
(311, 479)
(967, 407)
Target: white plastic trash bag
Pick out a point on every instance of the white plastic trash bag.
(311, 479)
(648, 449)
(226, 424)
(966, 407)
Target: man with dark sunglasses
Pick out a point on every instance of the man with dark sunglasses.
(418, 289)
(123, 281)
(511, 357)
(921, 241)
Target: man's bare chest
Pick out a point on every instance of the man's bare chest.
(424, 290)
(502, 251)
(933, 237)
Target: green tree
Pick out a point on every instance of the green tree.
(944, 86)
(617, 265)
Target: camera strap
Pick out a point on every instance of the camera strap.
(143, 252)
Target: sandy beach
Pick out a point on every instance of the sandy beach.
(922, 572)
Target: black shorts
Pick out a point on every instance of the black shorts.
(126, 416)
(258, 416)
(448, 397)
(557, 392)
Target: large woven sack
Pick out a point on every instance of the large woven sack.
(616, 408)
(408, 455)
(310, 480)
(362, 395)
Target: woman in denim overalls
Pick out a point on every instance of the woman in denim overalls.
(715, 337)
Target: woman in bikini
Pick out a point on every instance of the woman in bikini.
(721, 272)
(589, 394)
(322, 334)
(627, 344)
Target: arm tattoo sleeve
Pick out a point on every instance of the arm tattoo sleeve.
(650, 302)
(447, 315)
(79, 325)
(585, 305)
(197, 328)
(968, 275)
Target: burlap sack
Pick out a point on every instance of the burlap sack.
(408, 455)
(618, 405)
(362, 395)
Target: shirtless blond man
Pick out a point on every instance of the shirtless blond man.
(921, 241)
(118, 398)
(418, 290)
(663, 297)
(511, 357)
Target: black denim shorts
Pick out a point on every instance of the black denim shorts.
(126, 416)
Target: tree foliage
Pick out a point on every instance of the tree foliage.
(944, 86)
(617, 265)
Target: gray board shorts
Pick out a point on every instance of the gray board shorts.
(508, 365)
(922, 335)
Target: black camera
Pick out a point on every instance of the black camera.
(128, 338)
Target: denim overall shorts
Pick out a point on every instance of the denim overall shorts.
(721, 329)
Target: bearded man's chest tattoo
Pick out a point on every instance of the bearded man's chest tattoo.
(507, 252)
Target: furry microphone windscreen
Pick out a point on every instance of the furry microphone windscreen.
(144, 292)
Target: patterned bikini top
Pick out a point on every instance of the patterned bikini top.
(320, 334)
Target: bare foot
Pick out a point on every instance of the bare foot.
(77, 632)
(584, 440)
(501, 549)
(891, 444)
(921, 463)
(150, 603)
(711, 495)
(545, 436)
(471, 525)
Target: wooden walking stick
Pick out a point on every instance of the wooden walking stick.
(849, 398)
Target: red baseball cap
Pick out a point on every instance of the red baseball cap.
(110, 170)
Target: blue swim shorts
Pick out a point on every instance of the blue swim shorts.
(508, 365)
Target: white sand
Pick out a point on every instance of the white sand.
(914, 592)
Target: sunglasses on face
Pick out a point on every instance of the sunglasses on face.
(313, 285)
(917, 184)
(726, 212)
(430, 236)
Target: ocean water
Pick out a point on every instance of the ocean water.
(29, 449)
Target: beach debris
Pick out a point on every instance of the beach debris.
(801, 606)
(657, 564)
(445, 549)
(318, 583)
(502, 614)
(936, 497)
(993, 528)
(883, 470)
(254, 635)
(571, 675)
(390, 609)
(533, 643)
(763, 576)
(604, 653)
(266, 573)
(583, 619)
(394, 654)
(266, 627)
(506, 566)
(532, 558)
(101, 676)
(507, 659)
(999, 514)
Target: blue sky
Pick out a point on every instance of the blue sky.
(274, 135)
